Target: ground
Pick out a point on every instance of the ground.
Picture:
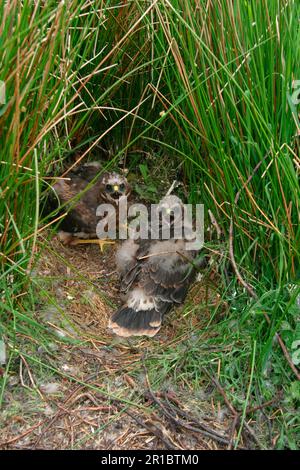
(89, 389)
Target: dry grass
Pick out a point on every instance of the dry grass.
(99, 396)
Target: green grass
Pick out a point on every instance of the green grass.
(200, 88)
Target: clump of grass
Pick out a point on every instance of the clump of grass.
(227, 87)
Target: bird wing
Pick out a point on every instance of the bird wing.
(154, 275)
(82, 214)
(86, 172)
(162, 269)
(167, 272)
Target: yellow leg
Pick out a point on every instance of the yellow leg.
(101, 243)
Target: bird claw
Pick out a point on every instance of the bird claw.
(101, 243)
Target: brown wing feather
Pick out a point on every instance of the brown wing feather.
(170, 283)
(82, 213)
(154, 276)
(160, 274)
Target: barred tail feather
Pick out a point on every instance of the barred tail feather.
(129, 322)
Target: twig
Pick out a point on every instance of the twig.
(59, 413)
(154, 430)
(252, 434)
(222, 392)
(172, 187)
(211, 433)
(180, 423)
(285, 351)
(232, 430)
(287, 356)
(215, 224)
(30, 377)
(260, 407)
(20, 436)
(234, 265)
(115, 404)
(236, 414)
(155, 254)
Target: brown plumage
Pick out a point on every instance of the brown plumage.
(154, 276)
(81, 194)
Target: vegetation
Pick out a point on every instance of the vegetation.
(207, 90)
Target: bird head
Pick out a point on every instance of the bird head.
(171, 210)
(114, 187)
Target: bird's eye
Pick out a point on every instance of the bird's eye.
(122, 186)
(109, 187)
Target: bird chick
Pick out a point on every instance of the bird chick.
(84, 190)
(154, 276)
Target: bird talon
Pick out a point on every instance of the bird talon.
(101, 243)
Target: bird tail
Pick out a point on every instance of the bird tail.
(129, 322)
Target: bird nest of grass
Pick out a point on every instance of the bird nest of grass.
(121, 386)
(81, 286)
(82, 292)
